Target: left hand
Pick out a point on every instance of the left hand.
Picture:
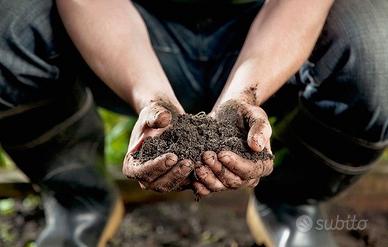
(227, 170)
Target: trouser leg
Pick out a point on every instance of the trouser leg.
(339, 125)
(331, 126)
(82, 207)
(50, 128)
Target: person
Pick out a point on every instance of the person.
(319, 67)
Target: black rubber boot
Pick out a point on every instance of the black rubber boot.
(59, 145)
(284, 225)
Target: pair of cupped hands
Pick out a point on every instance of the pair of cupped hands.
(215, 171)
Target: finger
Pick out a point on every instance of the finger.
(200, 189)
(207, 178)
(226, 177)
(184, 185)
(252, 183)
(150, 170)
(172, 179)
(137, 144)
(156, 116)
(260, 129)
(244, 168)
(259, 135)
(268, 168)
(152, 121)
(137, 137)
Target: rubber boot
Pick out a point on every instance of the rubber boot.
(59, 145)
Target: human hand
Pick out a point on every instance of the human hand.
(163, 173)
(227, 170)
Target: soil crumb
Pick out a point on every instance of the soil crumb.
(191, 135)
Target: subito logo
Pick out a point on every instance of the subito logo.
(304, 223)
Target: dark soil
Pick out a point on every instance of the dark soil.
(191, 135)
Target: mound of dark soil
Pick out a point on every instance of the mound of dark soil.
(191, 135)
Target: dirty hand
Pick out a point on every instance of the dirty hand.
(227, 170)
(163, 173)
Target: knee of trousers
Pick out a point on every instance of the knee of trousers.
(349, 72)
(347, 154)
(313, 161)
(357, 28)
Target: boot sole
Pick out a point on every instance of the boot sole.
(113, 223)
(256, 226)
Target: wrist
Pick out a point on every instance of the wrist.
(147, 97)
(243, 84)
(248, 94)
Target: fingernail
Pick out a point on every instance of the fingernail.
(188, 165)
(225, 158)
(260, 142)
(211, 159)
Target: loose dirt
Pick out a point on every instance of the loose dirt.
(191, 135)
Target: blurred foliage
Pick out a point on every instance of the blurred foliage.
(31, 202)
(7, 206)
(117, 132)
(12, 229)
(6, 234)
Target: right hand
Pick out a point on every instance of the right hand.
(164, 173)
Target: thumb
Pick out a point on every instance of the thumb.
(157, 117)
(260, 130)
(259, 136)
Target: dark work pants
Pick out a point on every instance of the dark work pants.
(331, 117)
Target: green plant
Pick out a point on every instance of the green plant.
(117, 132)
